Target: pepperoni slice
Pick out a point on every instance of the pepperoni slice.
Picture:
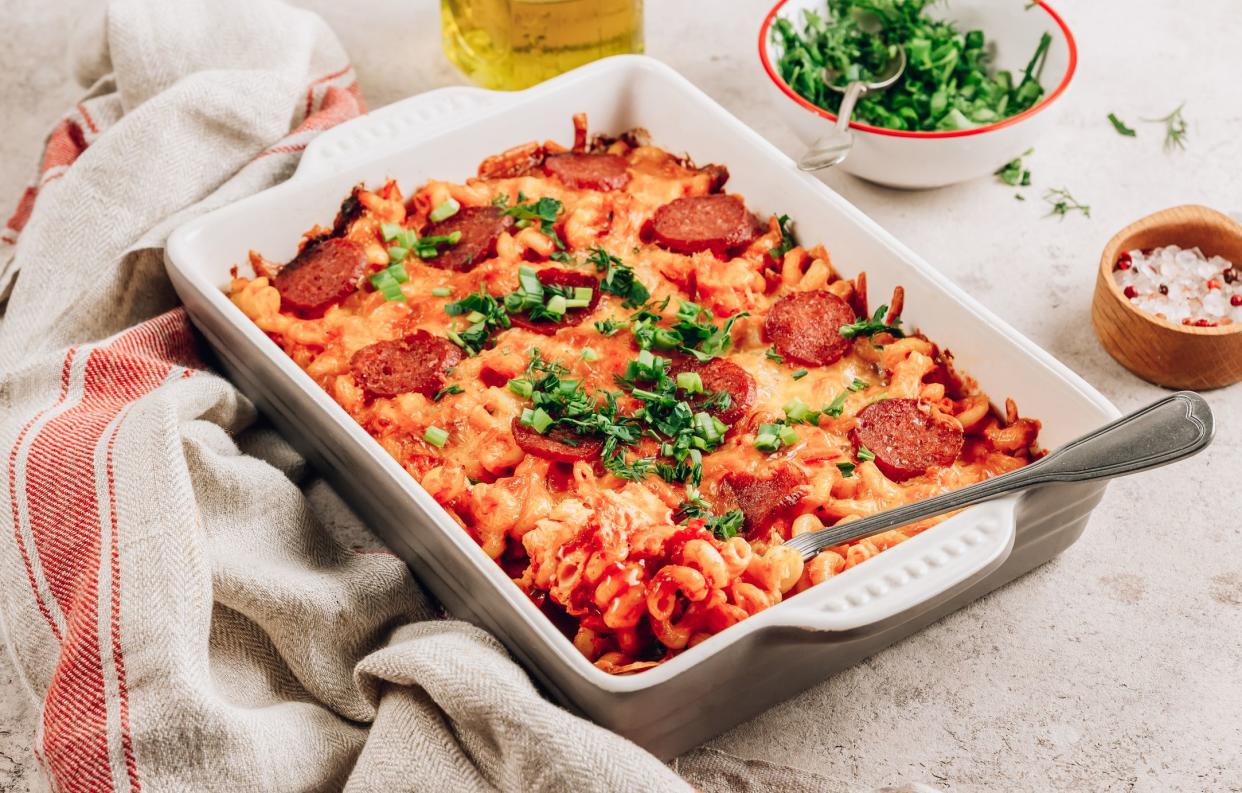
(559, 445)
(806, 327)
(762, 500)
(555, 276)
(721, 375)
(716, 223)
(416, 363)
(589, 171)
(480, 227)
(323, 274)
(906, 438)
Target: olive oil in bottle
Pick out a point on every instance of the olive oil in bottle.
(512, 44)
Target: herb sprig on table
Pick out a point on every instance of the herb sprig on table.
(946, 85)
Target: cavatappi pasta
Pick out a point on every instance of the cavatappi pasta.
(627, 389)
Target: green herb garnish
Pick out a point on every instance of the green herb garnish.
(485, 316)
(723, 526)
(837, 405)
(436, 437)
(1063, 203)
(772, 355)
(444, 211)
(1013, 174)
(847, 470)
(452, 388)
(875, 324)
(544, 212)
(947, 84)
(1175, 128)
(1120, 126)
(787, 243)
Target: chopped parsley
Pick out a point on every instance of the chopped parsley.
(723, 526)
(484, 315)
(1013, 174)
(875, 324)
(619, 279)
(788, 241)
(544, 212)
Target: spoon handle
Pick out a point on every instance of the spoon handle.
(1165, 431)
(835, 144)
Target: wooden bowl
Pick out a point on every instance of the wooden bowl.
(1159, 351)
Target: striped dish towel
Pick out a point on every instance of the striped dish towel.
(166, 593)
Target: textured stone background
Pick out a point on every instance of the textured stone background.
(1117, 666)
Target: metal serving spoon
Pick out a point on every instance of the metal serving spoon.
(834, 146)
(1165, 431)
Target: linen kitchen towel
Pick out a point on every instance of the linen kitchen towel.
(166, 593)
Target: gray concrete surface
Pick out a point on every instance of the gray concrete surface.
(1117, 667)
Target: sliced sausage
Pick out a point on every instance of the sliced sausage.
(762, 499)
(717, 222)
(559, 445)
(480, 227)
(589, 171)
(555, 276)
(721, 375)
(416, 363)
(806, 327)
(325, 273)
(906, 438)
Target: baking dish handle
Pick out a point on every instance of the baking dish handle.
(393, 127)
(915, 574)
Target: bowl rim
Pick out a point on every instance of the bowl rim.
(1108, 258)
(785, 88)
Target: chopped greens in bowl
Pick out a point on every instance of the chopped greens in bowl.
(947, 84)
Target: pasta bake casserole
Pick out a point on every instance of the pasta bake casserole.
(628, 389)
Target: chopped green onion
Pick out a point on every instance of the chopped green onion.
(442, 291)
(768, 443)
(690, 382)
(836, 406)
(583, 293)
(537, 419)
(444, 211)
(397, 254)
(865, 454)
(557, 305)
(799, 374)
(589, 354)
(436, 437)
(390, 231)
(796, 410)
(772, 355)
(857, 385)
(847, 470)
(387, 284)
(574, 302)
(522, 387)
(452, 388)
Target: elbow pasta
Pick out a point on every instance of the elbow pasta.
(608, 559)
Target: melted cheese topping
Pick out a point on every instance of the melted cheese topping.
(637, 586)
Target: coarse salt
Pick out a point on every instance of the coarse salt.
(1181, 285)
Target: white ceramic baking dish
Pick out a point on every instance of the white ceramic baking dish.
(766, 658)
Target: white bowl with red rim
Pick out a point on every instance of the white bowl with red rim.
(916, 160)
